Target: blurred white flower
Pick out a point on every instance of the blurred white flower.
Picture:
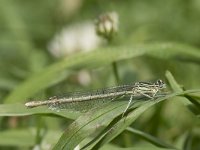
(78, 37)
(84, 77)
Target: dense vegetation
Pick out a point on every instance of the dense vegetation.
(49, 48)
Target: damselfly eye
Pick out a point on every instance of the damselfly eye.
(160, 83)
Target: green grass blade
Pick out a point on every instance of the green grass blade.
(105, 117)
(149, 147)
(150, 138)
(102, 56)
(89, 123)
(121, 125)
(174, 85)
(21, 110)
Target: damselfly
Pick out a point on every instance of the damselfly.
(137, 90)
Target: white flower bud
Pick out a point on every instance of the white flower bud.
(107, 25)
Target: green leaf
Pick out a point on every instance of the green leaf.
(100, 57)
(21, 110)
(149, 138)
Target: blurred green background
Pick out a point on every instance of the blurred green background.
(48, 48)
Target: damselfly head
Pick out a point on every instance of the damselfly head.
(160, 84)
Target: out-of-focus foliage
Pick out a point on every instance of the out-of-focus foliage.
(50, 47)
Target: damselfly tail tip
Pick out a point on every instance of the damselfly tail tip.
(29, 104)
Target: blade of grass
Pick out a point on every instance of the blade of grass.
(21, 110)
(192, 100)
(100, 57)
(177, 88)
(188, 142)
(174, 85)
(86, 124)
(121, 125)
(150, 138)
(149, 147)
